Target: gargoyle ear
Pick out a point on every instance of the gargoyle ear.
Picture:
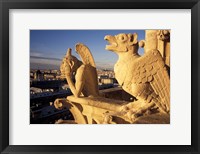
(71, 63)
(69, 52)
(133, 38)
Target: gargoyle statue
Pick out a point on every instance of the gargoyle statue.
(85, 72)
(145, 77)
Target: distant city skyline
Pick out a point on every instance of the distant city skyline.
(47, 47)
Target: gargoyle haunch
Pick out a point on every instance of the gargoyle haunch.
(146, 77)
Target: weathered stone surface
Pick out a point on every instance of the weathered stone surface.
(144, 77)
(85, 72)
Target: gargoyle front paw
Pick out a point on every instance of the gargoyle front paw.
(133, 114)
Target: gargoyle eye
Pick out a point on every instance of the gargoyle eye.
(122, 37)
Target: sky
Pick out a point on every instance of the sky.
(48, 47)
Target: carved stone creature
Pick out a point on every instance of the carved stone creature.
(145, 77)
(85, 72)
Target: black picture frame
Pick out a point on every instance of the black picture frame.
(5, 5)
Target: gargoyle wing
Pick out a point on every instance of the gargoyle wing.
(151, 68)
(85, 54)
(91, 84)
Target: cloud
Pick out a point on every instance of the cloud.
(36, 54)
(44, 63)
(46, 58)
(44, 66)
(54, 63)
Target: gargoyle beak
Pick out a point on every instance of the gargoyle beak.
(112, 41)
(107, 37)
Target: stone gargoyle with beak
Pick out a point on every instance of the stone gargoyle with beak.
(144, 77)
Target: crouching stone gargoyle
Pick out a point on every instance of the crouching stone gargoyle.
(85, 72)
(144, 77)
(85, 85)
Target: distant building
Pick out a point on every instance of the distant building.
(106, 79)
(49, 114)
(34, 90)
(50, 76)
(38, 75)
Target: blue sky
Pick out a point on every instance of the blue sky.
(47, 47)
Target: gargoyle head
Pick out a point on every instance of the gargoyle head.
(72, 60)
(122, 42)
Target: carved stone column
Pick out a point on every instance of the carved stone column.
(164, 45)
(150, 40)
(160, 40)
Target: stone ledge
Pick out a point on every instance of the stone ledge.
(99, 102)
